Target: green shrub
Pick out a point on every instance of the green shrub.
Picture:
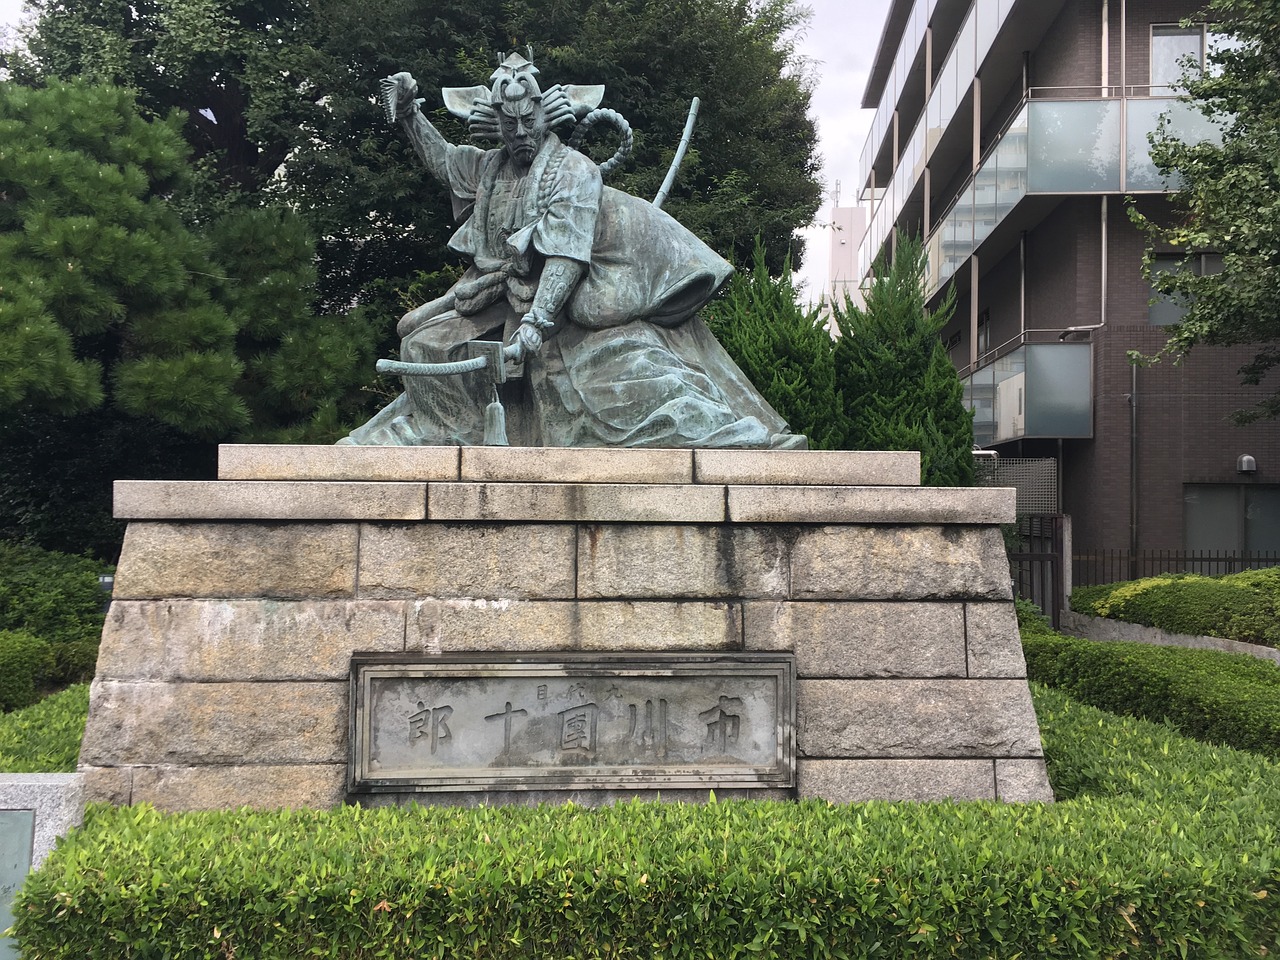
(1031, 619)
(1240, 606)
(1165, 849)
(1224, 698)
(56, 597)
(26, 663)
(45, 738)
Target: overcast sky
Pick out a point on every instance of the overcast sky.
(840, 40)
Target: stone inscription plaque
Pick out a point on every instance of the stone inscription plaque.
(600, 722)
(17, 832)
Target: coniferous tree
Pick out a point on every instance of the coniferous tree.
(900, 389)
(783, 349)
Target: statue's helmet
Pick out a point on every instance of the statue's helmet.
(515, 86)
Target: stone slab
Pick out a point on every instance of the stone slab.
(931, 505)
(497, 561)
(218, 640)
(808, 467)
(285, 560)
(579, 798)
(900, 563)
(993, 640)
(916, 719)
(1023, 781)
(266, 461)
(576, 465)
(844, 640)
(57, 800)
(652, 560)
(113, 785)
(1104, 630)
(228, 787)
(922, 781)
(575, 502)
(146, 723)
(529, 626)
(572, 722)
(268, 500)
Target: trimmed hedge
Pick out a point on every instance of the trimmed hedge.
(1225, 698)
(1240, 606)
(55, 597)
(45, 738)
(26, 664)
(1165, 850)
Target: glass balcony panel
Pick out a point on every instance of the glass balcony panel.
(979, 396)
(964, 52)
(1010, 158)
(1143, 119)
(1009, 410)
(1074, 146)
(985, 208)
(1059, 390)
(988, 21)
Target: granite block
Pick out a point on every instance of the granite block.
(285, 560)
(268, 500)
(245, 639)
(226, 787)
(809, 467)
(267, 461)
(498, 561)
(900, 563)
(524, 626)
(994, 642)
(575, 502)
(891, 719)
(931, 505)
(837, 639)
(57, 800)
(1023, 781)
(711, 562)
(576, 465)
(180, 724)
(856, 781)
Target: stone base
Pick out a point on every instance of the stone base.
(223, 674)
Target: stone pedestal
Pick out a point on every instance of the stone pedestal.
(223, 674)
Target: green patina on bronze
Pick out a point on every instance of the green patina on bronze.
(575, 324)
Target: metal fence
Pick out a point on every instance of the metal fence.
(1091, 567)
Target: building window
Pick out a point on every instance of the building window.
(1231, 517)
(1163, 310)
(1175, 49)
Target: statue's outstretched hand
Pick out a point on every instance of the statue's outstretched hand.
(399, 92)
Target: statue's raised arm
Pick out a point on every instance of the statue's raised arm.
(578, 309)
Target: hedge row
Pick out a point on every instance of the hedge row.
(1165, 850)
(1240, 606)
(50, 621)
(45, 738)
(1224, 698)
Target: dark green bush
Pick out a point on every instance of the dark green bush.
(1224, 698)
(1031, 619)
(45, 738)
(1165, 849)
(26, 664)
(56, 597)
(1241, 606)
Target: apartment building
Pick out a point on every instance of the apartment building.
(1013, 136)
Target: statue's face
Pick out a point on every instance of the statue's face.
(523, 130)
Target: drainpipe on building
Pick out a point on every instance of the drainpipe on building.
(1133, 471)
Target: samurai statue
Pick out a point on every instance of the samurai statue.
(575, 323)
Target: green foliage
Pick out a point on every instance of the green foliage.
(783, 349)
(1240, 606)
(1031, 619)
(1228, 201)
(45, 738)
(1225, 698)
(1165, 848)
(26, 663)
(900, 390)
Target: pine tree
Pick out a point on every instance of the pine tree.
(783, 349)
(900, 390)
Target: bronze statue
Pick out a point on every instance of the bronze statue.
(575, 323)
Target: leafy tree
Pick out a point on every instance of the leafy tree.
(1229, 199)
(900, 390)
(784, 350)
(276, 96)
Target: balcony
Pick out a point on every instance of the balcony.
(1057, 146)
(1034, 391)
